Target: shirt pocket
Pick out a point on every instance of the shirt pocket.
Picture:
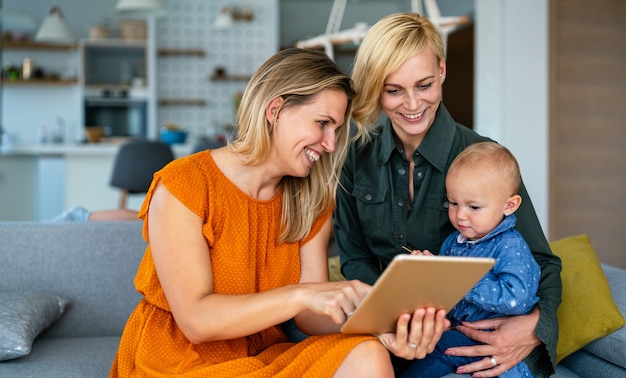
(371, 207)
(437, 226)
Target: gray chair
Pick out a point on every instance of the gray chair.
(135, 164)
(206, 144)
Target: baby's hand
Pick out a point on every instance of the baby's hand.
(421, 253)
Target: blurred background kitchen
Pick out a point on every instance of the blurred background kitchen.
(79, 78)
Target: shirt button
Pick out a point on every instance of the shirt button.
(420, 174)
(400, 203)
(400, 236)
(368, 197)
(401, 171)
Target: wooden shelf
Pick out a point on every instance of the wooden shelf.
(116, 86)
(39, 82)
(230, 78)
(31, 45)
(345, 49)
(115, 43)
(181, 52)
(181, 102)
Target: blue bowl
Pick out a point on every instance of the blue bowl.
(173, 136)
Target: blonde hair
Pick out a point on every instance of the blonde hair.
(388, 44)
(490, 155)
(297, 76)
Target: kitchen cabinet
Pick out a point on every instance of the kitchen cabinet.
(50, 186)
(17, 188)
(40, 182)
(87, 177)
(31, 187)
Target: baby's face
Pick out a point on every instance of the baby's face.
(477, 201)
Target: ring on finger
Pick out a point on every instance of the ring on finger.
(493, 361)
(413, 346)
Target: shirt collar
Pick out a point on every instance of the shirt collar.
(507, 223)
(435, 147)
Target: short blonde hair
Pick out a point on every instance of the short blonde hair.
(388, 44)
(490, 155)
(297, 76)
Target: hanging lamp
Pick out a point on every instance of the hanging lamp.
(139, 7)
(54, 29)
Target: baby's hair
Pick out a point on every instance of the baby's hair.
(490, 155)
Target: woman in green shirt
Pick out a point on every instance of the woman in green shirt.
(392, 190)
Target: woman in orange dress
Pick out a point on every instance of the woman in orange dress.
(237, 244)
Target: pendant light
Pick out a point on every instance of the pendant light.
(139, 7)
(54, 29)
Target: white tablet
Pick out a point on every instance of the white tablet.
(411, 282)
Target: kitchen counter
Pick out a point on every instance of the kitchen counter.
(38, 182)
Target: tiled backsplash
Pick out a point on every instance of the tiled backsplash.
(239, 50)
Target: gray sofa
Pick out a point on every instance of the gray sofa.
(90, 264)
(93, 266)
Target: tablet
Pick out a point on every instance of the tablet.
(411, 282)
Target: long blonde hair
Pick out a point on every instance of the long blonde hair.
(388, 44)
(297, 76)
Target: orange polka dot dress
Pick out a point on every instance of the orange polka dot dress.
(246, 257)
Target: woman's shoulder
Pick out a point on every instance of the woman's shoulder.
(195, 180)
(190, 164)
(198, 169)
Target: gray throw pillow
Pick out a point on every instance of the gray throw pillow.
(23, 315)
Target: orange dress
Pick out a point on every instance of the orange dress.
(241, 233)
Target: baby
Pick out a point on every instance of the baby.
(482, 186)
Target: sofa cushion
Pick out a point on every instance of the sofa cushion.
(587, 311)
(23, 315)
(65, 357)
(589, 365)
(612, 347)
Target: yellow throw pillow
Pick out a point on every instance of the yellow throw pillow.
(587, 311)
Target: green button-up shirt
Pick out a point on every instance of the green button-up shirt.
(375, 217)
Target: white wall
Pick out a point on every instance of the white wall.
(511, 92)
